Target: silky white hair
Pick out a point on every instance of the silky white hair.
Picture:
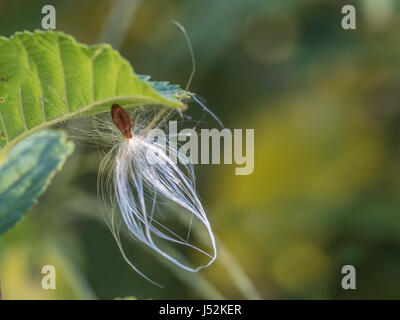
(136, 175)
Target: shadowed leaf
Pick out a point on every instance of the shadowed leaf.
(27, 172)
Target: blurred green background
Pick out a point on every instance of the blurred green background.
(325, 191)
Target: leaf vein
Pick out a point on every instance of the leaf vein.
(117, 79)
(4, 128)
(36, 73)
(21, 109)
(92, 60)
(63, 75)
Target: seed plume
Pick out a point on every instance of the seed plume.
(122, 120)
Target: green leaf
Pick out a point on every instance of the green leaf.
(47, 77)
(27, 172)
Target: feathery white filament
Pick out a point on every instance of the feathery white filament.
(136, 170)
(143, 171)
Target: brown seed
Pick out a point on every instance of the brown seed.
(122, 120)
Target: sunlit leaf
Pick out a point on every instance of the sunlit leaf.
(47, 77)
